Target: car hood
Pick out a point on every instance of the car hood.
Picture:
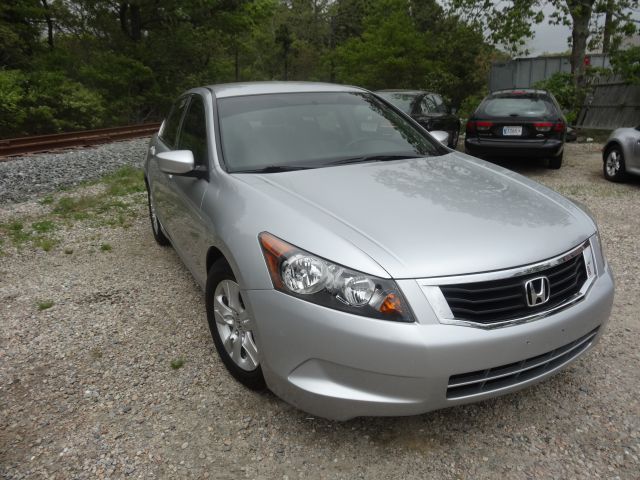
(437, 216)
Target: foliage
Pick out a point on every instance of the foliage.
(414, 49)
(67, 65)
(627, 63)
(562, 86)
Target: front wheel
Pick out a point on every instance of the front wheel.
(613, 167)
(232, 327)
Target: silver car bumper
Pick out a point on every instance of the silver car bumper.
(338, 366)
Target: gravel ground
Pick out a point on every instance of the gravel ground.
(87, 388)
(26, 177)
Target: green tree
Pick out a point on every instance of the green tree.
(402, 46)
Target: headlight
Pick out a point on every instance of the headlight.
(314, 279)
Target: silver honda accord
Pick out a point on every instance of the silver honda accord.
(355, 266)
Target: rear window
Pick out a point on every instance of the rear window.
(521, 106)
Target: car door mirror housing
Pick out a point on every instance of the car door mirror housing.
(453, 110)
(440, 136)
(177, 162)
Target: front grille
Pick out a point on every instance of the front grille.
(492, 379)
(500, 300)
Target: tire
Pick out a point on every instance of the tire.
(228, 319)
(453, 138)
(556, 162)
(613, 165)
(156, 228)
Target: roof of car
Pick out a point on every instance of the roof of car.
(519, 91)
(408, 92)
(224, 90)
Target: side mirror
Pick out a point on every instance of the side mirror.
(440, 136)
(453, 110)
(177, 162)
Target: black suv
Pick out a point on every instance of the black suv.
(427, 108)
(518, 123)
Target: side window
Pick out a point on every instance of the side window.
(193, 135)
(439, 103)
(427, 105)
(170, 130)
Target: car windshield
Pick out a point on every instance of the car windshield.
(403, 101)
(521, 106)
(310, 130)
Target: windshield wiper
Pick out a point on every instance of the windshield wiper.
(276, 169)
(372, 158)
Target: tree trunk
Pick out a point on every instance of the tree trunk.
(286, 65)
(580, 11)
(122, 14)
(136, 23)
(49, 20)
(608, 28)
(236, 59)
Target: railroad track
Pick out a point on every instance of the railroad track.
(46, 143)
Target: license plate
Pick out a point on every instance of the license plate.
(511, 131)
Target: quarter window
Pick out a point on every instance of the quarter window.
(194, 131)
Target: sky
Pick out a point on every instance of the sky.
(549, 39)
(553, 38)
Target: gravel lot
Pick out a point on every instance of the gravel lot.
(87, 387)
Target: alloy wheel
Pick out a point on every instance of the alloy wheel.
(613, 163)
(234, 325)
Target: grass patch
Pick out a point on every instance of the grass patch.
(37, 235)
(125, 181)
(45, 304)
(45, 243)
(17, 233)
(43, 226)
(109, 208)
(177, 363)
(105, 247)
(48, 200)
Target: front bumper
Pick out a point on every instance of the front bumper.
(524, 148)
(339, 366)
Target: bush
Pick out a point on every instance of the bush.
(12, 94)
(562, 86)
(55, 103)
